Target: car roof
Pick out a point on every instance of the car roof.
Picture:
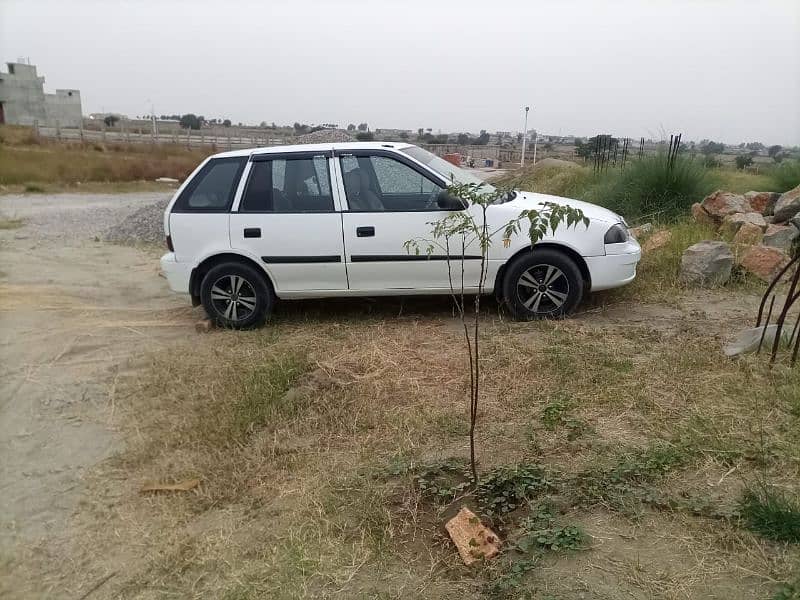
(315, 148)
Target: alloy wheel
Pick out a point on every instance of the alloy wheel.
(543, 289)
(233, 297)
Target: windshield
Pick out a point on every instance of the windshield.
(446, 169)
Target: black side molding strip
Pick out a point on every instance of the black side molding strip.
(409, 257)
(291, 260)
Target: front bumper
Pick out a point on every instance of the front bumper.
(177, 273)
(614, 270)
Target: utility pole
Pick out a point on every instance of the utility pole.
(524, 137)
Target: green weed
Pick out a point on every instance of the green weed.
(773, 514)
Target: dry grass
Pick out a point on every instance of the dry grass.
(9, 223)
(309, 493)
(28, 161)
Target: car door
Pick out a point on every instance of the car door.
(289, 218)
(391, 200)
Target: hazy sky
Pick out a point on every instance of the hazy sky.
(720, 69)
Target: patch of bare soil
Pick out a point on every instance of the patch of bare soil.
(72, 313)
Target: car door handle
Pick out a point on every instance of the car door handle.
(365, 231)
(252, 232)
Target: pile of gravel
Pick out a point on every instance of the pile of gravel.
(324, 136)
(145, 225)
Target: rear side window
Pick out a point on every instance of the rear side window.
(288, 186)
(213, 188)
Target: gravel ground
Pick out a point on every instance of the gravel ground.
(65, 216)
(144, 225)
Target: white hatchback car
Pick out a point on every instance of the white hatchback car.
(327, 220)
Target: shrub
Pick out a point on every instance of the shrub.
(772, 514)
(743, 160)
(787, 175)
(652, 186)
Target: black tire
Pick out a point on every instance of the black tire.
(242, 308)
(545, 274)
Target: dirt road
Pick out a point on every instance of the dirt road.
(73, 311)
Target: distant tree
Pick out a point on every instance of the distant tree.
(365, 136)
(775, 153)
(578, 141)
(463, 139)
(226, 123)
(263, 124)
(403, 135)
(351, 127)
(300, 127)
(709, 147)
(111, 120)
(189, 121)
(273, 126)
(482, 139)
(743, 160)
(548, 146)
(420, 131)
(755, 146)
(363, 127)
(519, 138)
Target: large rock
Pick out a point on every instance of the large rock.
(762, 202)
(706, 263)
(658, 240)
(788, 205)
(701, 216)
(719, 204)
(763, 262)
(732, 223)
(780, 236)
(748, 234)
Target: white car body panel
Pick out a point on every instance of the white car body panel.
(199, 236)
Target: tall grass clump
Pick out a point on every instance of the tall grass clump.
(654, 187)
(772, 514)
(786, 175)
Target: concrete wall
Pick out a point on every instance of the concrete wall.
(63, 108)
(22, 95)
(24, 101)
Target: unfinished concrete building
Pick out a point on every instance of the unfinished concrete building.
(23, 101)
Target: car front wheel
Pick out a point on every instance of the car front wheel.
(236, 296)
(542, 284)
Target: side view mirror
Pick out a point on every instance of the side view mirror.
(447, 201)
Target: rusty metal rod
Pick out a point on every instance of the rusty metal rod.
(766, 324)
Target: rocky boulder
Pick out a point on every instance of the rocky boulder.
(788, 205)
(706, 263)
(732, 223)
(762, 202)
(658, 240)
(763, 262)
(748, 234)
(701, 216)
(780, 236)
(720, 204)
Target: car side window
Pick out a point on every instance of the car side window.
(382, 183)
(213, 188)
(288, 186)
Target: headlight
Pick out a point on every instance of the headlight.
(618, 234)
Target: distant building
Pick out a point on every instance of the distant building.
(23, 101)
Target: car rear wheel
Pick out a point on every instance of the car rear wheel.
(542, 284)
(236, 296)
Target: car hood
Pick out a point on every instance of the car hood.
(532, 200)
